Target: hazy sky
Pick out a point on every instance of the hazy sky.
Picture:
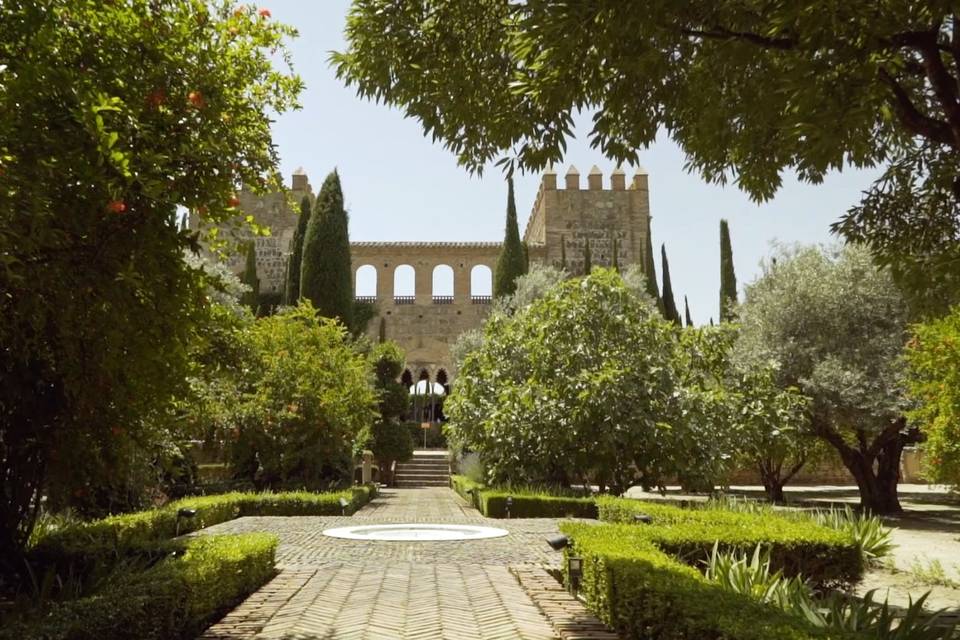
(398, 185)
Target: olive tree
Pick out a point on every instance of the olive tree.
(835, 326)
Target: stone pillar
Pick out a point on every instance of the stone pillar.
(572, 179)
(366, 469)
(595, 179)
(461, 283)
(618, 179)
(382, 291)
(423, 277)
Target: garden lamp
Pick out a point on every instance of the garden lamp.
(344, 503)
(509, 504)
(642, 518)
(575, 571)
(184, 513)
(558, 542)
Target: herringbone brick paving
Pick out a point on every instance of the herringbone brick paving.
(335, 589)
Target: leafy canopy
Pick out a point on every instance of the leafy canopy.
(746, 91)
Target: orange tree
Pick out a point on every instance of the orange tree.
(112, 115)
(933, 359)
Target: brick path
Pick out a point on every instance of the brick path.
(345, 589)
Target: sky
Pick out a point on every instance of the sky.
(399, 185)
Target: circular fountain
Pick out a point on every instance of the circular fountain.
(415, 532)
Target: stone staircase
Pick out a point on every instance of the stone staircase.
(427, 468)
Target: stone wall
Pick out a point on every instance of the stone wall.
(425, 325)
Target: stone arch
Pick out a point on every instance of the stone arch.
(481, 281)
(404, 281)
(442, 285)
(406, 378)
(365, 281)
(423, 375)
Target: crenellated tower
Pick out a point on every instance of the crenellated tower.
(573, 216)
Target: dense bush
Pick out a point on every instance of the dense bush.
(175, 598)
(389, 440)
(642, 592)
(822, 555)
(582, 382)
(305, 397)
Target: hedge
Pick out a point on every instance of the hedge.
(527, 503)
(87, 546)
(643, 593)
(826, 557)
(175, 598)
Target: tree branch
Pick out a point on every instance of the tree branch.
(794, 470)
(944, 85)
(722, 33)
(912, 119)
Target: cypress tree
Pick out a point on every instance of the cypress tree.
(587, 258)
(728, 279)
(669, 304)
(250, 279)
(292, 288)
(383, 329)
(686, 306)
(326, 279)
(615, 262)
(511, 263)
(650, 271)
(563, 252)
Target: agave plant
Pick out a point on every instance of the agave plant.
(751, 575)
(872, 538)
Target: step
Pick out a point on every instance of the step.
(423, 483)
(421, 476)
(415, 468)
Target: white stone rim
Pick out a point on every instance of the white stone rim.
(415, 532)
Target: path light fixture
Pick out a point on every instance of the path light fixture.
(344, 503)
(643, 518)
(558, 542)
(509, 504)
(575, 571)
(182, 514)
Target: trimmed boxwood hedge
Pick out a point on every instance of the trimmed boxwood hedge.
(527, 503)
(81, 547)
(643, 593)
(824, 556)
(175, 598)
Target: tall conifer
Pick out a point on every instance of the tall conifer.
(511, 262)
(669, 304)
(249, 278)
(326, 277)
(686, 307)
(587, 258)
(615, 261)
(650, 271)
(563, 252)
(292, 288)
(728, 278)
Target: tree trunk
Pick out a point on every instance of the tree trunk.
(878, 486)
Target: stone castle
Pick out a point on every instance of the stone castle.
(561, 222)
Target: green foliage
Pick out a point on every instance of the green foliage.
(292, 285)
(704, 74)
(120, 113)
(642, 592)
(251, 297)
(728, 277)
(512, 261)
(304, 398)
(933, 378)
(752, 575)
(563, 252)
(389, 440)
(688, 319)
(581, 382)
(834, 325)
(326, 276)
(798, 547)
(176, 598)
(587, 258)
(669, 303)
